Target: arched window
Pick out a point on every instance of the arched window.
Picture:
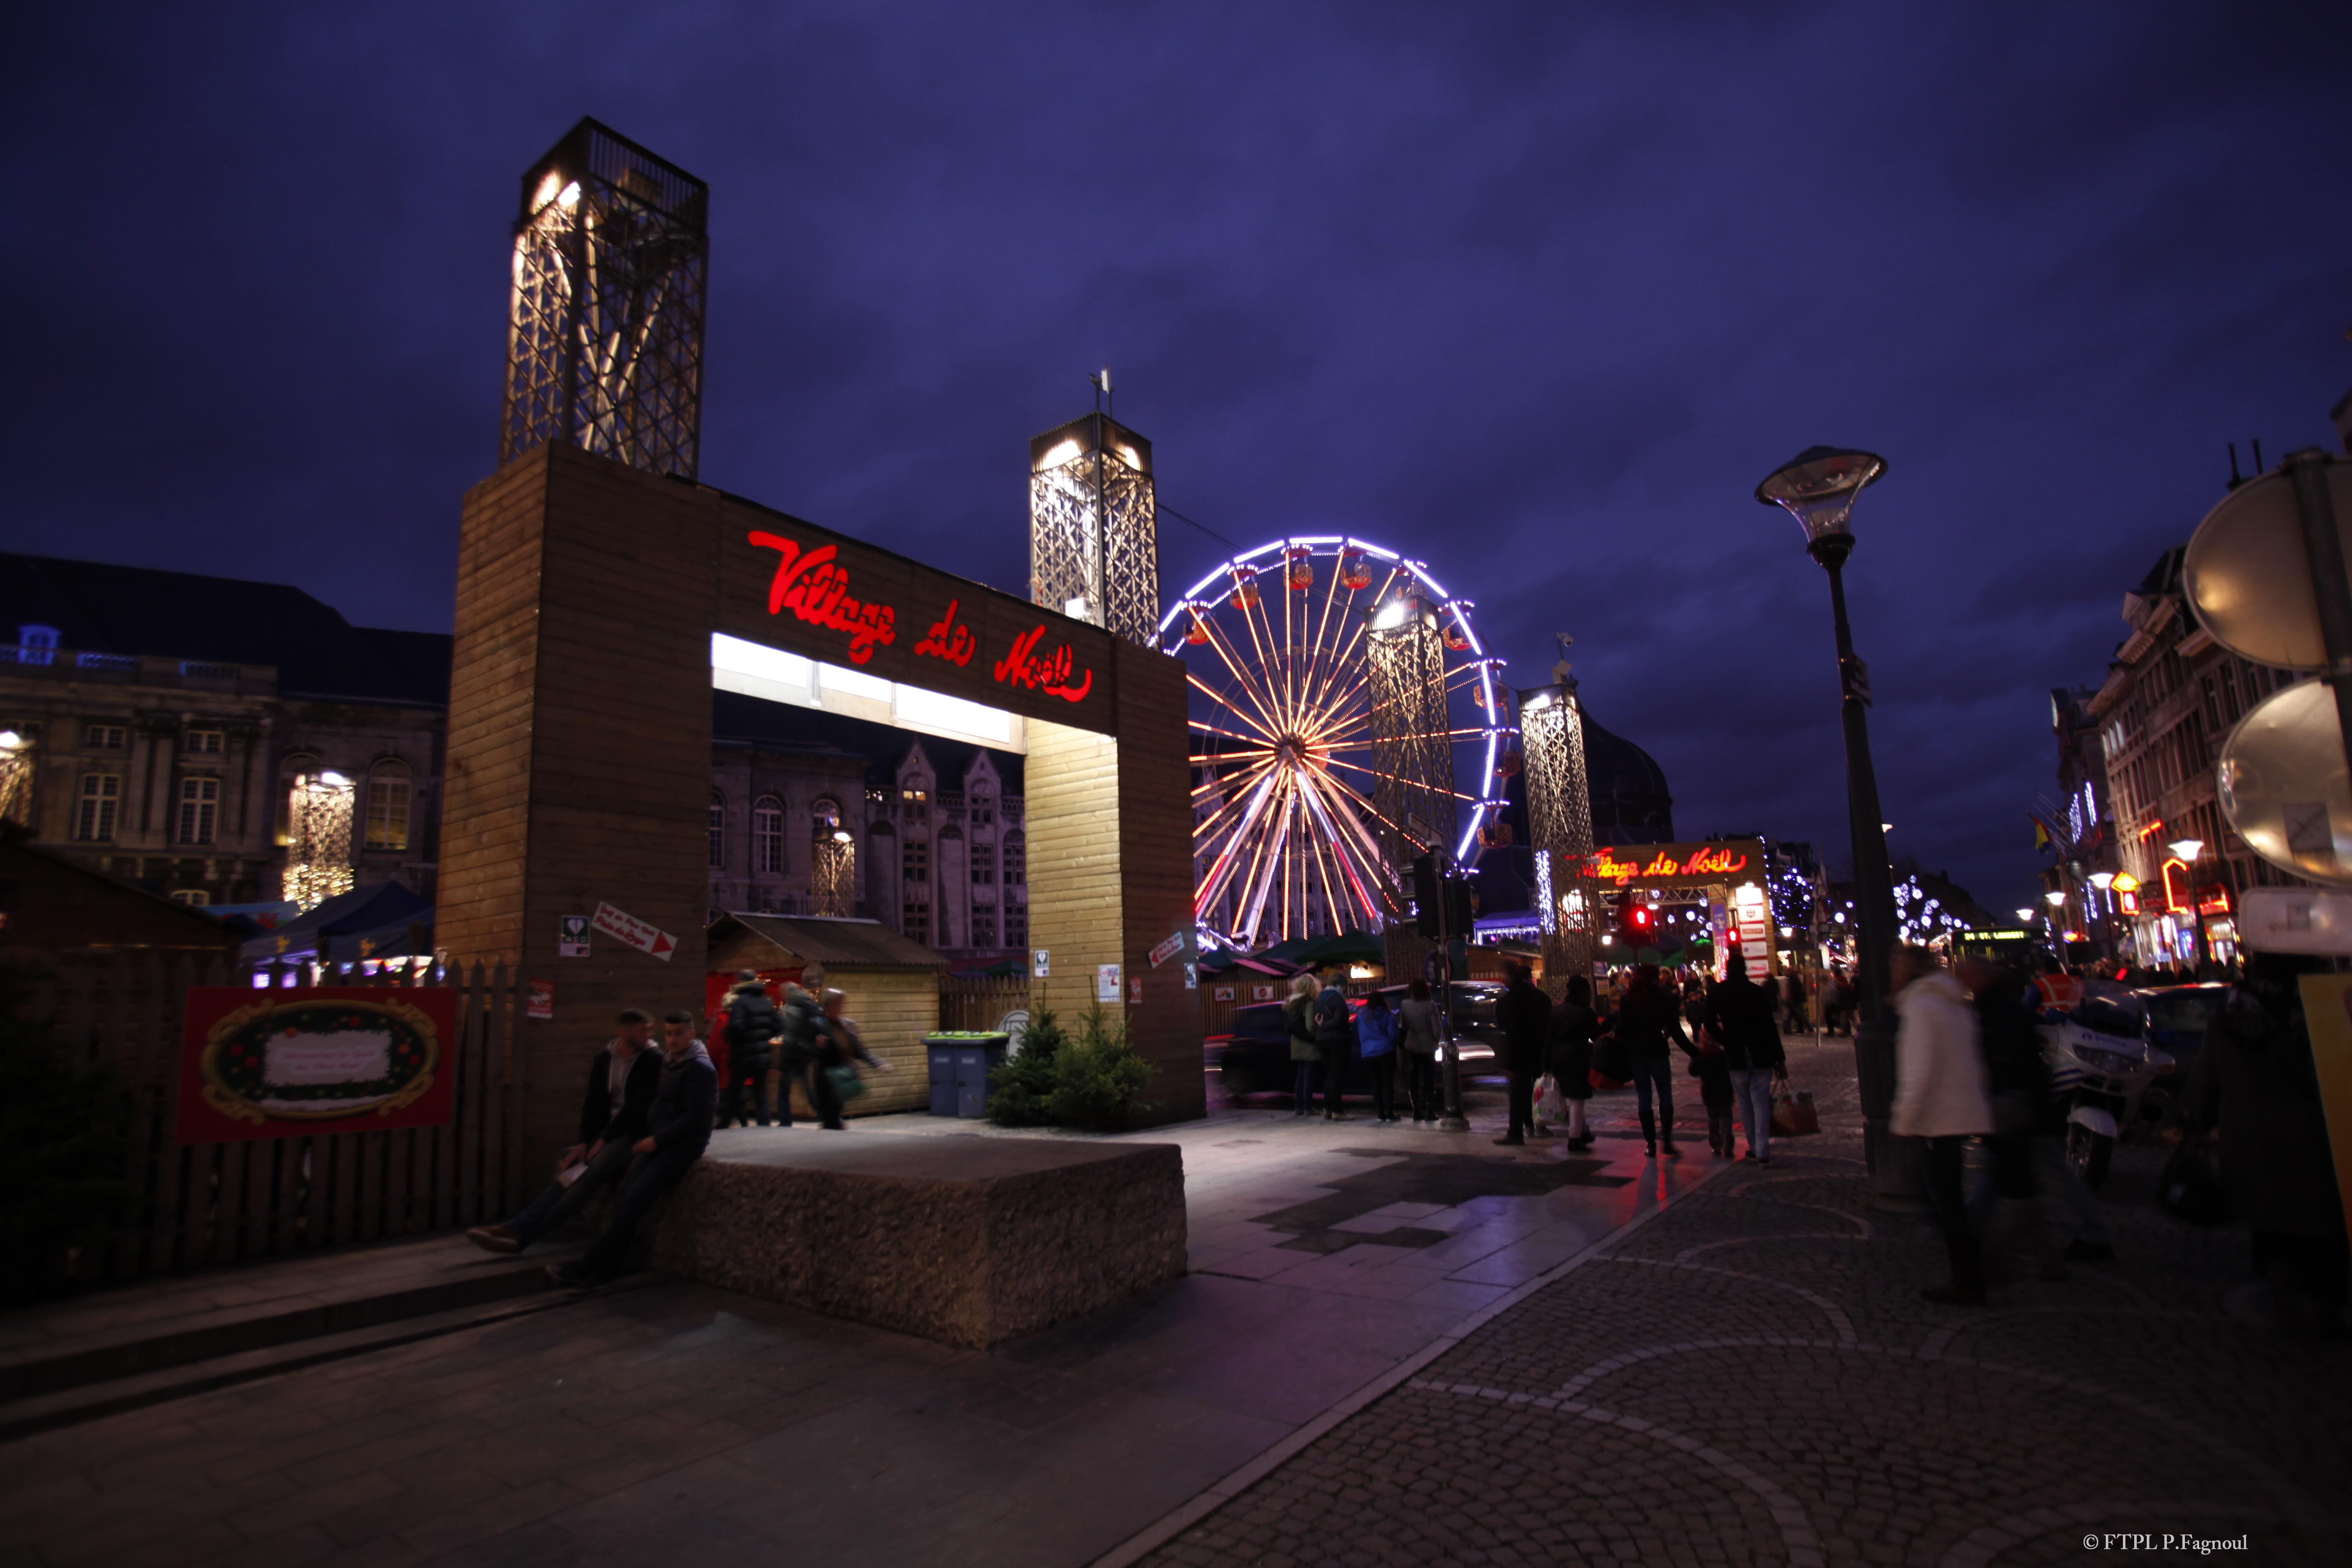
(293, 765)
(717, 830)
(767, 835)
(389, 792)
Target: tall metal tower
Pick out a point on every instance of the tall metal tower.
(1094, 526)
(1412, 750)
(1559, 821)
(604, 346)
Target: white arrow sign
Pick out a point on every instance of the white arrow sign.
(637, 933)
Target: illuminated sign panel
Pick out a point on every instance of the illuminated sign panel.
(1677, 865)
(855, 610)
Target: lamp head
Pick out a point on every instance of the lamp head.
(2026, 915)
(2102, 880)
(2187, 849)
(2055, 899)
(1818, 488)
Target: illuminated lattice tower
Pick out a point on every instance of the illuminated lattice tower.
(319, 839)
(1093, 527)
(1559, 822)
(1412, 749)
(604, 342)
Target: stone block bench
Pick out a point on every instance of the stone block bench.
(965, 1240)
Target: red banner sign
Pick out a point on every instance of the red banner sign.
(294, 1062)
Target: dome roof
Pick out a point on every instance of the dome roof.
(1614, 766)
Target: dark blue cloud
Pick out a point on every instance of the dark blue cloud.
(1537, 292)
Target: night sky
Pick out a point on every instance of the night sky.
(1537, 292)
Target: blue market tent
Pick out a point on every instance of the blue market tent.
(374, 921)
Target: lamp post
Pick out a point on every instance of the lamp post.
(1818, 486)
(2056, 898)
(2103, 907)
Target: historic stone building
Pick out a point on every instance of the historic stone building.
(2137, 756)
(165, 717)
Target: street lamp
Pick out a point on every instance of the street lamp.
(1818, 486)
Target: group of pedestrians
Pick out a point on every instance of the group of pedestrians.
(649, 1111)
(1969, 1066)
(1326, 1033)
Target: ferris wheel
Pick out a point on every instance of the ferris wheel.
(1345, 718)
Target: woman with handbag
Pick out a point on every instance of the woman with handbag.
(839, 1049)
(1574, 1026)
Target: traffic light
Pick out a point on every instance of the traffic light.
(1425, 886)
(1638, 922)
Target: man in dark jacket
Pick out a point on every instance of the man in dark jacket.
(753, 1023)
(2256, 1080)
(622, 1082)
(1645, 1021)
(677, 1132)
(1335, 1042)
(2029, 1143)
(1524, 1015)
(1739, 1012)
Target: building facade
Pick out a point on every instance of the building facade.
(2136, 758)
(165, 718)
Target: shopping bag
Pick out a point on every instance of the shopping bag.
(846, 1085)
(1550, 1104)
(1792, 1110)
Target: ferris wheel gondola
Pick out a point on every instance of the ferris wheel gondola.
(1341, 699)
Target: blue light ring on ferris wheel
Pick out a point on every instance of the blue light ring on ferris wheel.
(1274, 551)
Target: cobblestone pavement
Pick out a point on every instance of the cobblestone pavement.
(1752, 1377)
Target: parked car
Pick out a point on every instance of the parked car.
(1255, 1058)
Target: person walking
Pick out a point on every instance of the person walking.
(1417, 1042)
(2256, 1082)
(1335, 1038)
(839, 1049)
(1646, 1019)
(1706, 1052)
(801, 1019)
(1524, 1016)
(752, 1025)
(2029, 1171)
(1794, 1020)
(1376, 1031)
(1940, 1099)
(1573, 1024)
(678, 1130)
(1299, 1019)
(1739, 1012)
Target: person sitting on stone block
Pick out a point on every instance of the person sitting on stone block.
(622, 1082)
(677, 1131)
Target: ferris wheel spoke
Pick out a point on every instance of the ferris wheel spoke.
(1208, 828)
(1266, 731)
(1214, 884)
(1266, 865)
(1337, 845)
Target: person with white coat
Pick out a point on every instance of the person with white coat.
(1941, 1098)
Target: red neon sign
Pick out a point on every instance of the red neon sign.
(1049, 674)
(817, 591)
(949, 639)
(2176, 897)
(1604, 865)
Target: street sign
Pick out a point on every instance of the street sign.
(2297, 920)
(1168, 949)
(637, 933)
(1040, 964)
(572, 937)
(2248, 577)
(538, 1005)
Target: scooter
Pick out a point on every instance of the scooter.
(2100, 1060)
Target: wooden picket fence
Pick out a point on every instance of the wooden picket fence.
(195, 1205)
(980, 1002)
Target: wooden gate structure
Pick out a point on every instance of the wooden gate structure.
(589, 597)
